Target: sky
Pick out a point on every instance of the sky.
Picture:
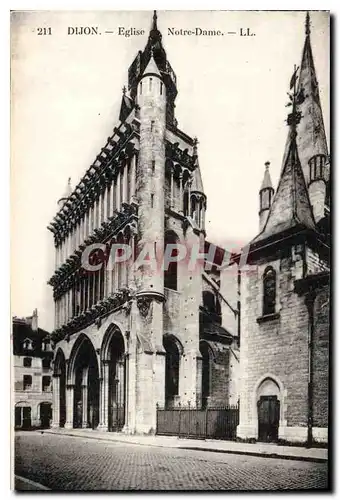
(65, 98)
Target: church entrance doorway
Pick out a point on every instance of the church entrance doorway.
(268, 418)
(117, 390)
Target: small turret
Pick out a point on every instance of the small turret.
(198, 200)
(266, 194)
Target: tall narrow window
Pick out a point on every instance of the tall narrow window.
(172, 360)
(186, 203)
(161, 87)
(269, 291)
(153, 165)
(141, 88)
(152, 124)
(152, 198)
(150, 83)
(170, 268)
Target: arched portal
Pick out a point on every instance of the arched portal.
(60, 373)
(268, 410)
(173, 350)
(114, 361)
(84, 374)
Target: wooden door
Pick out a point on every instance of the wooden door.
(268, 418)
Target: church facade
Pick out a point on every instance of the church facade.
(129, 336)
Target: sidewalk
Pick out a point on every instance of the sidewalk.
(258, 449)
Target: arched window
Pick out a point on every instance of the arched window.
(269, 291)
(186, 203)
(27, 344)
(170, 268)
(171, 370)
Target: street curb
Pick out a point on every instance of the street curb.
(259, 454)
(198, 448)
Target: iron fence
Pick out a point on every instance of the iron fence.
(191, 422)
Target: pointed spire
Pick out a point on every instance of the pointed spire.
(267, 182)
(307, 24)
(311, 138)
(155, 35)
(291, 206)
(154, 21)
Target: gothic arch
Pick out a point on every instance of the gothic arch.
(173, 353)
(74, 355)
(270, 383)
(111, 332)
(172, 338)
(59, 362)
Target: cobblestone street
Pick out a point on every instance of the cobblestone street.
(69, 463)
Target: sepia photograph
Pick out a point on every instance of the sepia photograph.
(171, 250)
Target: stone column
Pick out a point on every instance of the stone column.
(125, 184)
(118, 200)
(104, 214)
(180, 193)
(133, 178)
(56, 401)
(69, 406)
(113, 196)
(84, 396)
(104, 397)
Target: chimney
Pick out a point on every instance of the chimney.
(35, 320)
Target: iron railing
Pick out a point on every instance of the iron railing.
(190, 422)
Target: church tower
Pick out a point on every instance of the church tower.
(285, 291)
(311, 138)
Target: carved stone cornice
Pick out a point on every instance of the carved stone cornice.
(104, 169)
(108, 230)
(92, 316)
(144, 300)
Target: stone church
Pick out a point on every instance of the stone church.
(130, 337)
(248, 329)
(284, 286)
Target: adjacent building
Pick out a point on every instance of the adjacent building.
(284, 289)
(32, 373)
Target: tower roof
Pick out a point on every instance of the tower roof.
(197, 184)
(151, 67)
(311, 136)
(291, 206)
(267, 182)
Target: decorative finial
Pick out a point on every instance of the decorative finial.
(267, 165)
(307, 24)
(124, 90)
(154, 21)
